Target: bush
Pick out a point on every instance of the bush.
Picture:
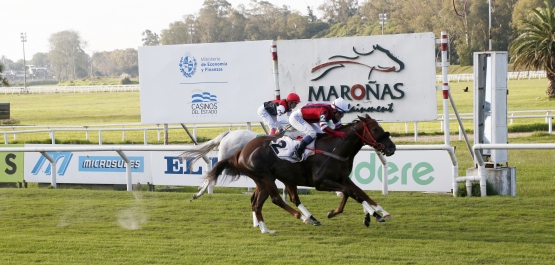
(9, 122)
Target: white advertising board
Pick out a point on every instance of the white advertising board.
(427, 170)
(423, 170)
(169, 169)
(205, 83)
(389, 77)
(87, 167)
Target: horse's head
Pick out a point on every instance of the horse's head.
(374, 135)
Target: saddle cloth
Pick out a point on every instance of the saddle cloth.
(285, 146)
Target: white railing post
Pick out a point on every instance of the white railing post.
(52, 137)
(100, 137)
(416, 131)
(145, 137)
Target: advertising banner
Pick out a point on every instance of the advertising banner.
(169, 169)
(389, 77)
(426, 170)
(87, 167)
(205, 83)
(11, 165)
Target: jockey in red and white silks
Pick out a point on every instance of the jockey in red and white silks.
(272, 112)
(313, 118)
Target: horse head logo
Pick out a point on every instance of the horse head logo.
(397, 65)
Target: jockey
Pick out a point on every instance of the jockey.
(313, 118)
(271, 111)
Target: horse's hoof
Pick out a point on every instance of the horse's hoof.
(387, 217)
(379, 218)
(330, 214)
(315, 222)
(367, 220)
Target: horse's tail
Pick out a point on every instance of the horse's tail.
(229, 165)
(203, 149)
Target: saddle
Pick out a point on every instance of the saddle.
(285, 147)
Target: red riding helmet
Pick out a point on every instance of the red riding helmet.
(293, 97)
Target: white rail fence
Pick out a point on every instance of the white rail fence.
(87, 129)
(479, 160)
(14, 131)
(511, 75)
(68, 89)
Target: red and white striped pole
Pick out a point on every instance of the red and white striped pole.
(445, 86)
(276, 75)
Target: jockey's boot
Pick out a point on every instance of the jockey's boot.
(302, 146)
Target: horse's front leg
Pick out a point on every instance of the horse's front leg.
(308, 218)
(328, 185)
(370, 207)
(339, 208)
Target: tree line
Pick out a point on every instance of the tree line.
(465, 21)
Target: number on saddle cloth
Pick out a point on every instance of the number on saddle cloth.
(284, 148)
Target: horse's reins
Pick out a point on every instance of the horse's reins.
(374, 143)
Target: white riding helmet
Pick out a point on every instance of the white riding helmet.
(341, 105)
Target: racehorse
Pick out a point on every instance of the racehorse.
(232, 141)
(327, 171)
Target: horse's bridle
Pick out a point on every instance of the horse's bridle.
(374, 142)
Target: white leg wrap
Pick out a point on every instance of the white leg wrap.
(304, 210)
(367, 208)
(254, 220)
(305, 218)
(339, 194)
(264, 229)
(379, 209)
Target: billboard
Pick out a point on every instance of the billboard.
(205, 83)
(389, 77)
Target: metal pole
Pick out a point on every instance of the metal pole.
(445, 87)
(23, 40)
(489, 31)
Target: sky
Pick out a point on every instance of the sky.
(106, 25)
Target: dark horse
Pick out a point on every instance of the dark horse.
(328, 170)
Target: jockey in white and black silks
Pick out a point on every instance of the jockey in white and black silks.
(272, 112)
(313, 118)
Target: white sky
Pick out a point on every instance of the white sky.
(106, 25)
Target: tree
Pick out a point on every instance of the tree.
(40, 59)
(337, 11)
(126, 61)
(534, 45)
(67, 58)
(3, 80)
(177, 33)
(150, 38)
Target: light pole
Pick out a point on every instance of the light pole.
(23, 40)
(489, 29)
(191, 28)
(383, 20)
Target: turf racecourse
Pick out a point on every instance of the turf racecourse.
(69, 226)
(80, 226)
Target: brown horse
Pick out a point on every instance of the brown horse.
(326, 171)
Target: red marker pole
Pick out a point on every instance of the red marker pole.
(445, 86)
(276, 75)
